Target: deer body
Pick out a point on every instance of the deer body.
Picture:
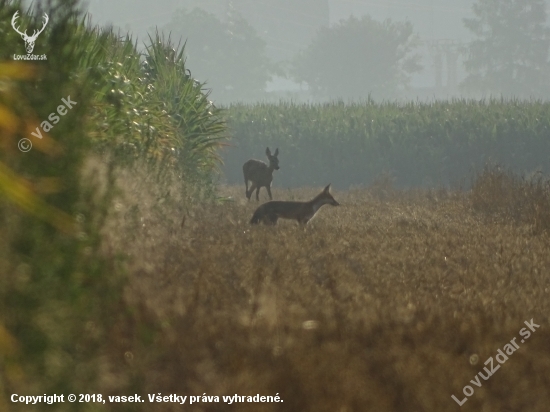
(303, 212)
(260, 174)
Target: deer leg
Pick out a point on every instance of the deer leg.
(269, 192)
(246, 185)
(249, 192)
(258, 193)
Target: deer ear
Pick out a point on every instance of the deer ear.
(267, 151)
(276, 151)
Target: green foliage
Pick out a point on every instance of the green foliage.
(359, 58)
(56, 287)
(510, 54)
(419, 144)
(61, 285)
(229, 55)
(150, 108)
(198, 123)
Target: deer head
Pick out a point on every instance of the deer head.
(273, 160)
(29, 40)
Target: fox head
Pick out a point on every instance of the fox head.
(273, 161)
(327, 197)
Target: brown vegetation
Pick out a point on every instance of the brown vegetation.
(391, 302)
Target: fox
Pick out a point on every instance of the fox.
(303, 212)
(260, 174)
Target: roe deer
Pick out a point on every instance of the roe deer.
(269, 212)
(260, 174)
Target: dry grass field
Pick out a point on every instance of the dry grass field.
(391, 302)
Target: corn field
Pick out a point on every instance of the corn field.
(418, 144)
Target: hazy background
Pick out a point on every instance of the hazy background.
(249, 50)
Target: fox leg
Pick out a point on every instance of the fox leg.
(271, 219)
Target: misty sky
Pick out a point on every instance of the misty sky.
(433, 20)
(438, 19)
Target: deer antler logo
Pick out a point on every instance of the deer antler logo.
(29, 40)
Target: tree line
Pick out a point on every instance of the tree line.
(359, 58)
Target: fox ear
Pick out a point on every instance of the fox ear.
(267, 151)
(276, 151)
(327, 188)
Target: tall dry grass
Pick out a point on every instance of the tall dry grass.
(500, 194)
(390, 302)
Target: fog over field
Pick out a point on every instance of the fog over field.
(275, 206)
(279, 30)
